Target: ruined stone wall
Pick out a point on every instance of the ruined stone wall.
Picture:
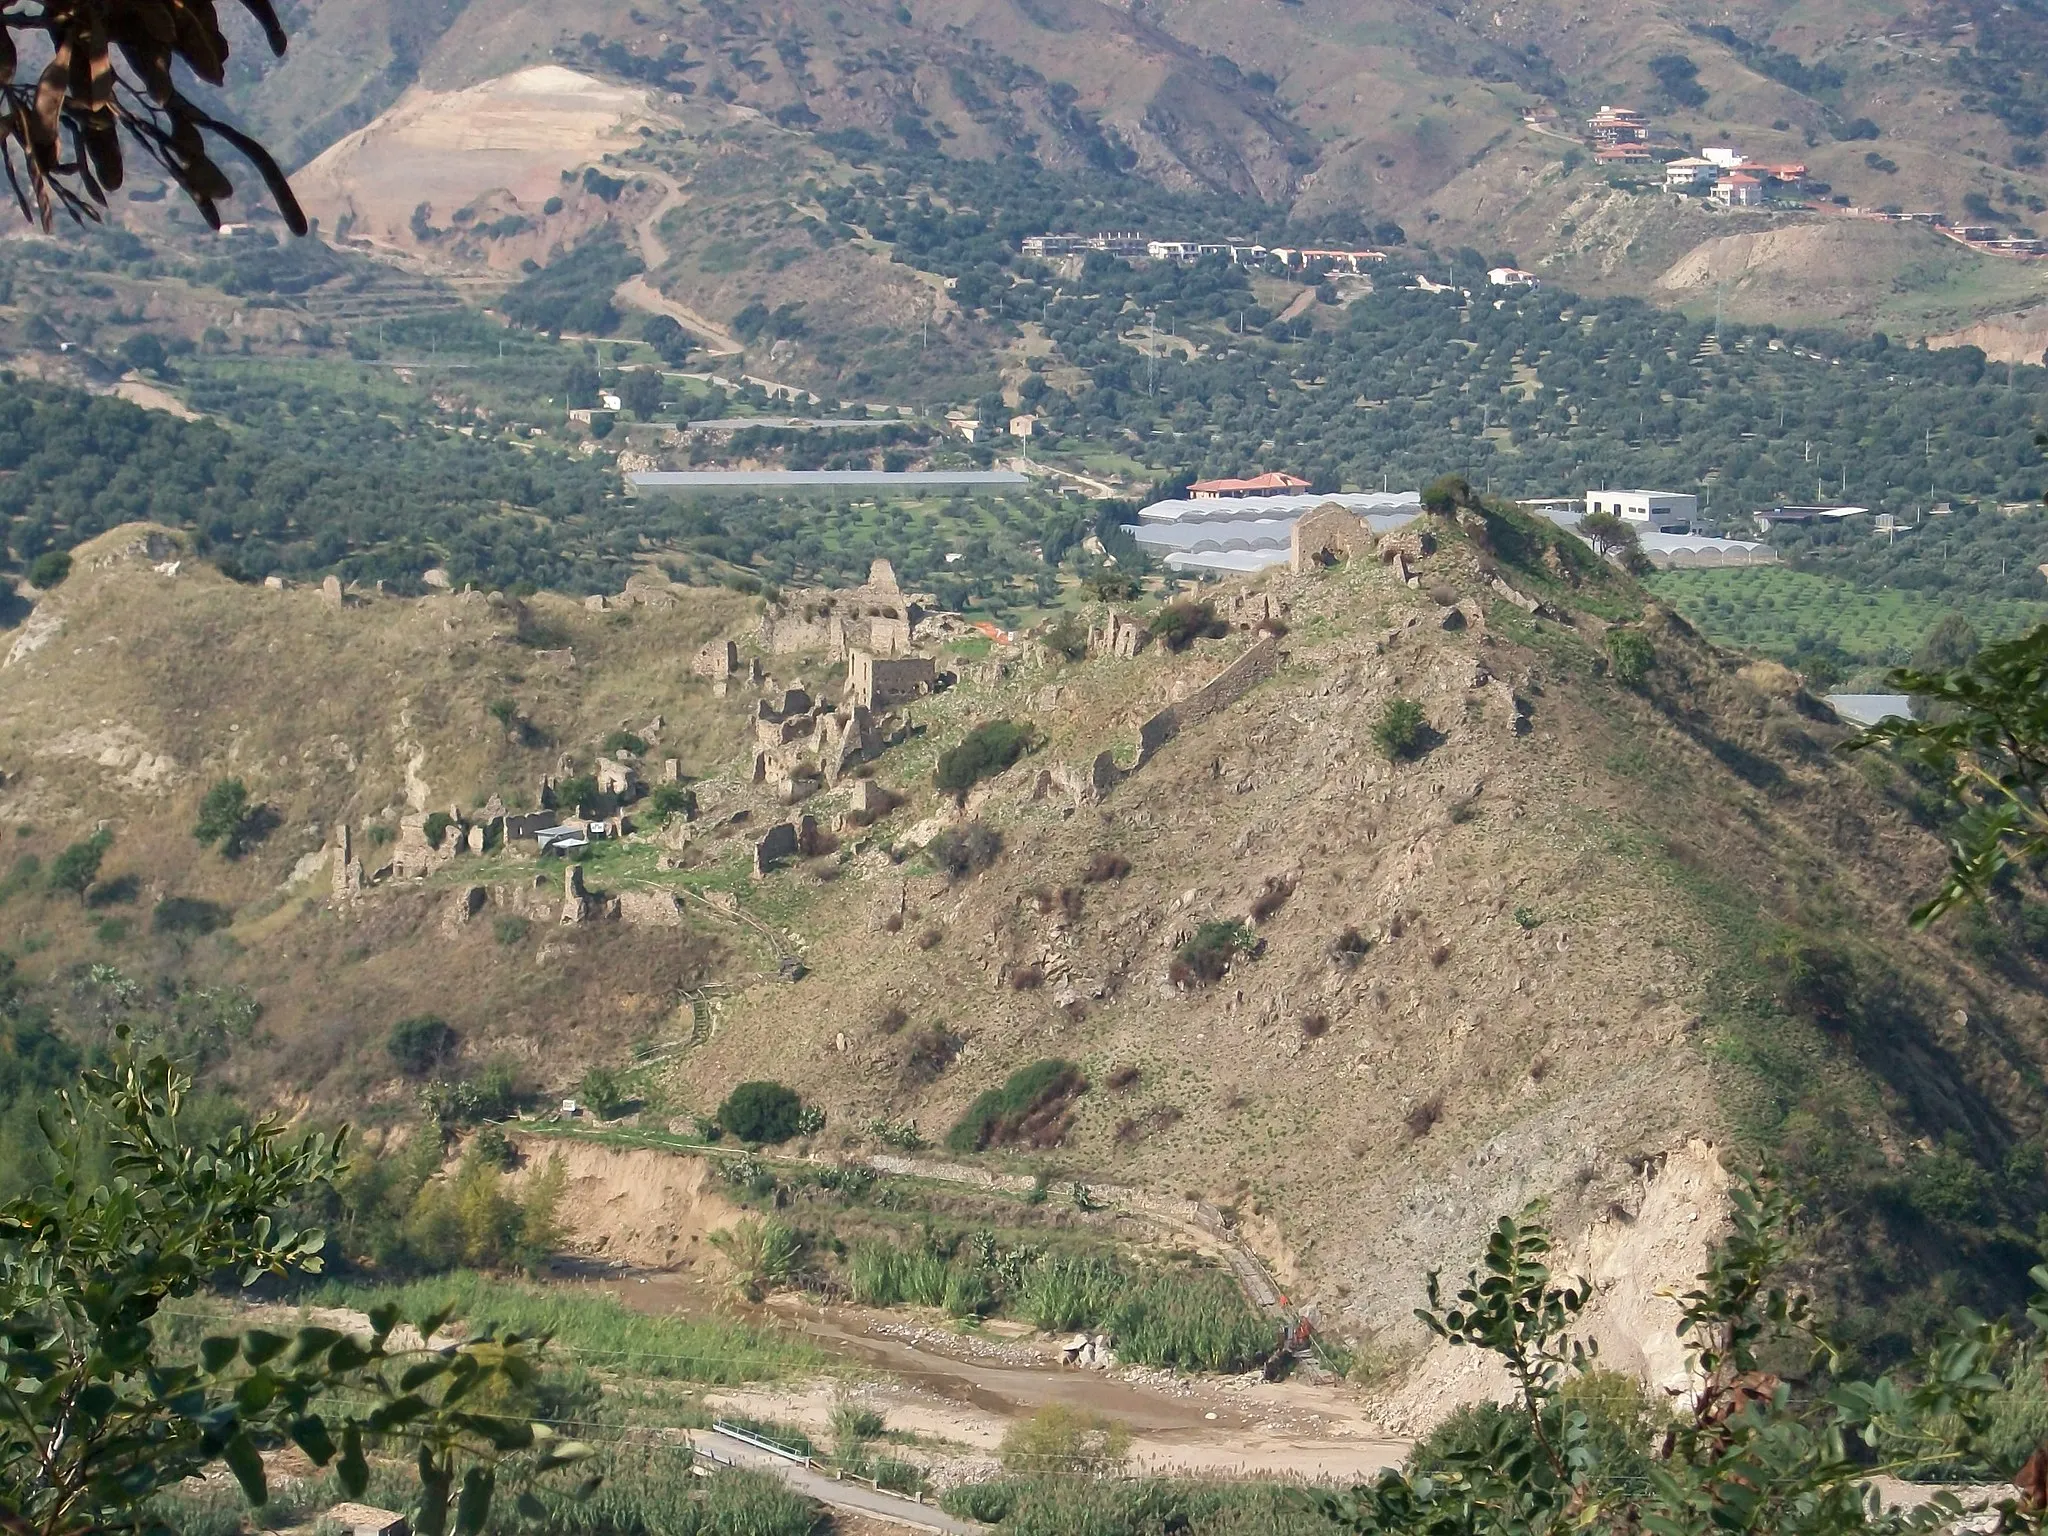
(1220, 692)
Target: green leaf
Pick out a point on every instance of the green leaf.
(309, 1342)
(433, 1505)
(216, 1353)
(419, 1375)
(354, 1470)
(474, 1507)
(531, 1508)
(310, 1435)
(246, 1463)
(564, 1453)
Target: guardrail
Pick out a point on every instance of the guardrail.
(748, 1437)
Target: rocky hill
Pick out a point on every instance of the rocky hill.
(1618, 897)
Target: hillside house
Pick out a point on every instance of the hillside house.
(1617, 125)
(1623, 154)
(1739, 190)
(1272, 483)
(1512, 277)
(1688, 173)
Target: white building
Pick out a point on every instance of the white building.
(1654, 511)
(1739, 190)
(1688, 173)
(1726, 159)
(1512, 277)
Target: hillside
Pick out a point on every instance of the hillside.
(1592, 923)
(1339, 115)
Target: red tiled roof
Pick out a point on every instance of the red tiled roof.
(1270, 481)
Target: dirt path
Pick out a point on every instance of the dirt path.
(639, 293)
(961, 1390)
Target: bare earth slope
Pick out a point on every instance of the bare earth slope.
(1571, 915)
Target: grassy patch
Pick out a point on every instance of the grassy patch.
(598, 1331)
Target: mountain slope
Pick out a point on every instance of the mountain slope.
(1529, 964)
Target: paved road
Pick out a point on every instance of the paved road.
(826, 1490)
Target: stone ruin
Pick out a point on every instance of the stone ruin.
(1326, 535)
(1255, 611)
(619, 777)
(798, 743)
(878, 617)
(801, 838)
(1118, 635)
(643, 590)
(413, 855)
(348, 869)
(875, 683)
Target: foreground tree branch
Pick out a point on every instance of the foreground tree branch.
(108, 75)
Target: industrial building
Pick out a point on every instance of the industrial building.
(1653, 511)
(870, 482)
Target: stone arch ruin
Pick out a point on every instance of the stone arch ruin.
(1328, 534)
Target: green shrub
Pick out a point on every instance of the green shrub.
(624, 741)
(1067, 639)
(1031, 1108)
(1630, 655)
(1062, 1441)
(49, 569)
(987, 751)
(188, 914)
(1207, 957)
(1184, 621)
(968, 1293)
(761, 1112)
(22, 875)
(1190, 1322)
(510, 930)
(225, 813)
(1402, 730)
(75, 869)
(420, 1044)
(601, 1090)
(882, 1275)
(674, 800)
(436, 827)
(577, 796)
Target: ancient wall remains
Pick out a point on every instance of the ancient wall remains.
(877, 683)
(778, 844)
(1326, 535)
(1117, 635)
(1220, 692)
